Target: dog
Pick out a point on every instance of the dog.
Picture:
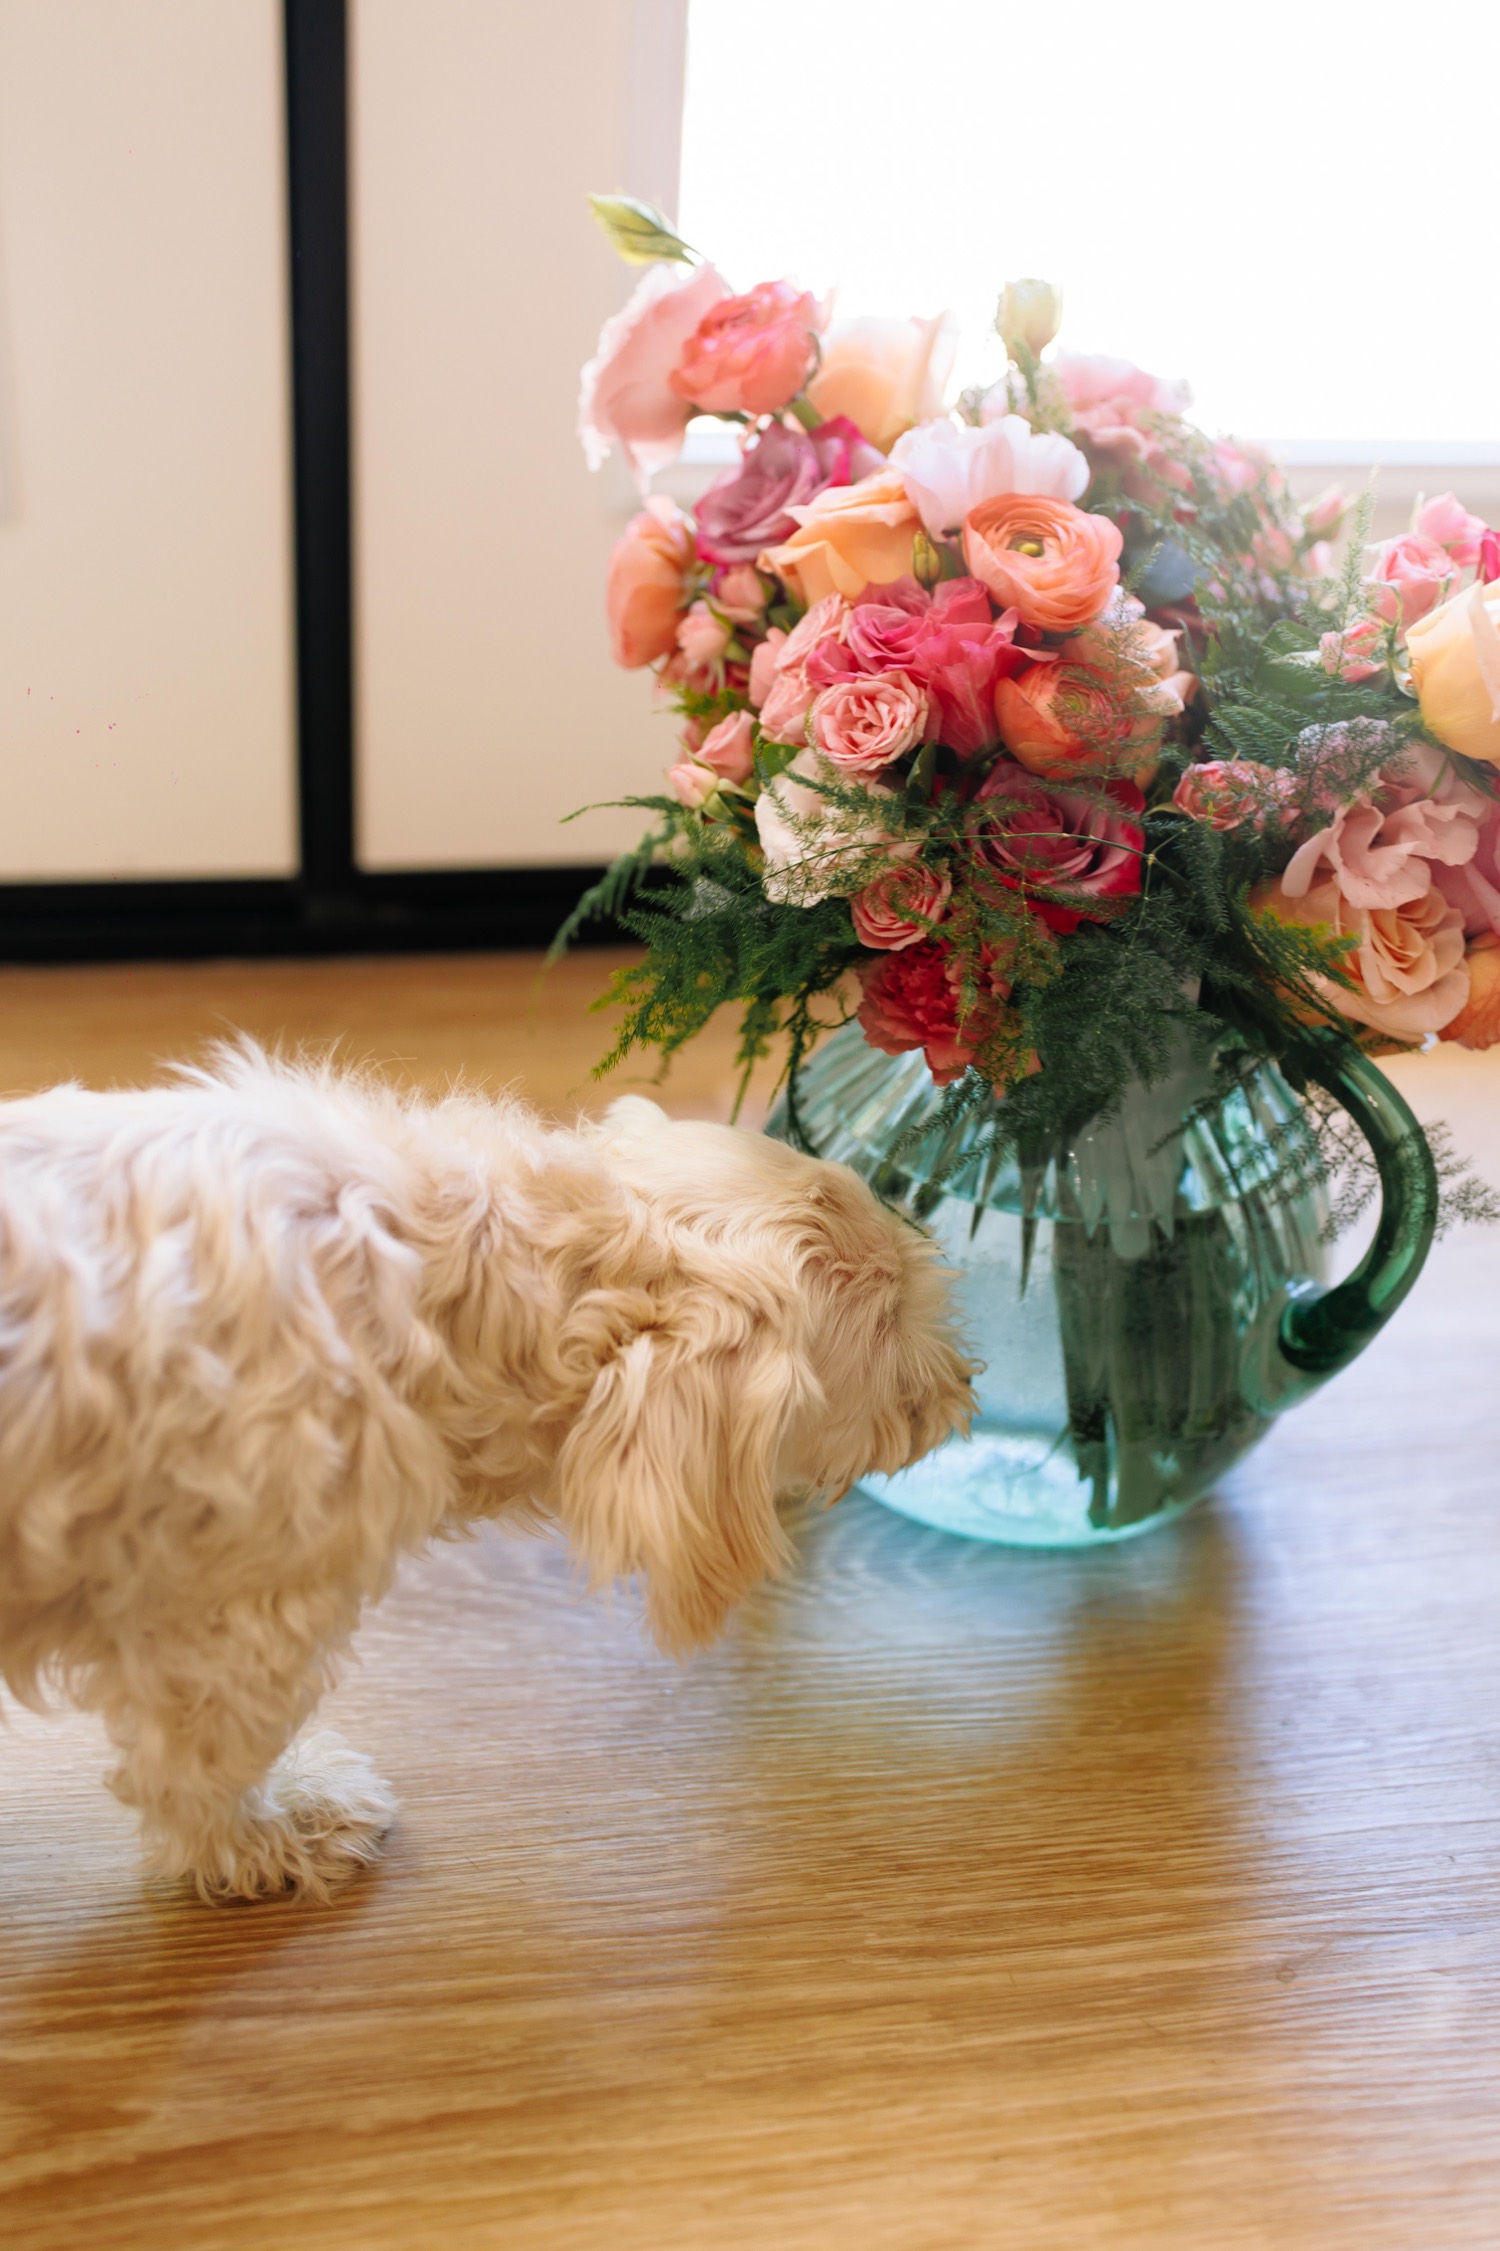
(269, 1328)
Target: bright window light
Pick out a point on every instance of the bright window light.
(1290, 203)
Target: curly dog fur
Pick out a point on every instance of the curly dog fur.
(268, 1329)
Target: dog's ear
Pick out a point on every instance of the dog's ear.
(671, 1468)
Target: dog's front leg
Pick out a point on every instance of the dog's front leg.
(228, 1799)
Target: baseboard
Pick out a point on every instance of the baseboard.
(468, 910)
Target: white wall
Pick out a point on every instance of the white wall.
(486, 704)
(145, 580)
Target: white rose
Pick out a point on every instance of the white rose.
(815, 849)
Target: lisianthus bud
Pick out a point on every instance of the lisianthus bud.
(638, 230)
(926, 562)
(1029, 316)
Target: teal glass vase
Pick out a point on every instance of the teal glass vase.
(1145, 1301)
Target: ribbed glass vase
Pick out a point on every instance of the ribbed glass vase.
(1143, 1302)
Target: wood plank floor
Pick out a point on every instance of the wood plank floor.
(958, 1898)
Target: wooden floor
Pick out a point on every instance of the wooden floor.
(960, 1898)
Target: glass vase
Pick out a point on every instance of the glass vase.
(1145, 1301)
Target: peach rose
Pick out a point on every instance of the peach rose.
(1410, 975)
(645, 583)
(1454, 654)
(749, 355)
(884, 375)
(850, 537)
(865, 722)
(627, 397)
(1055, 564)
(1477, 1023)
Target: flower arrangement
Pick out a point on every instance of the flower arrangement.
(1029, 728)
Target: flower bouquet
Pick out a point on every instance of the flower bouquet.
(1034, 748)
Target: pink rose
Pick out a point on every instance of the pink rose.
(1323, 517)
(1448, 524)
(702, 638)
(646, 581)
(914, 997)
(1120, 417)
(783, 715)
(728, 749)
(1230, 793)
(1089, 848)
(1489, 558)
(691, 784)
(627, 397)
(741, 594)
(1383, 855)
(750, 354)
(1411, 575)
(865, 722)
(1358, 653)
(749, 508)
(900, 906)
(765, 662)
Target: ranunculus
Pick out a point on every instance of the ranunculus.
(1411, 573)
(1063, 720)
(900, 906)
(749, 354)
(1477, 1023)
(814, 848)
(949, 468)
(1454, 654)
(1231, 793)
(627, 397)
(1357, 652)
(865, 722)
(1052, 563)
(848, 538)
(646, 581)
(884, 374)
(1448, 522)
(1087, 847)
(1410, 976)
(782, 469)
(914, 997)
(728, 749)
(702, 637)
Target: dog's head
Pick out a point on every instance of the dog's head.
(779, 1331)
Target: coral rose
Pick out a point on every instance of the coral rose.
(900, 906)
(1455, 667)
(749, 355)
(1043, 839)
(865, 722)
(1052, 563)
(728, 749)
(848, 538)
(884, 375)
(1231, 793)
(646, 581)
(914, 998)
(1477, 1023)
(627, 397)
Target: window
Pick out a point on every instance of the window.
(1289, 203)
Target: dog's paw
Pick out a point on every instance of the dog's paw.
(321, 1815)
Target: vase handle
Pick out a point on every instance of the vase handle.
(1320, 1330)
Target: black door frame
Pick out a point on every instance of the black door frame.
(331, 905)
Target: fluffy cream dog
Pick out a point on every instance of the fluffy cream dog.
(264, 1331)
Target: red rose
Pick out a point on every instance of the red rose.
(1087, 847)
